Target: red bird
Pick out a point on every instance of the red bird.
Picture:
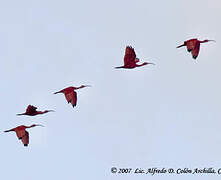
(31, 111)
(193, 46)
(130, 59)
(70, 94)
(22, 134)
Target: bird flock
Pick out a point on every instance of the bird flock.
(130, 62)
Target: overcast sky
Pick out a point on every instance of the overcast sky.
(167, 115)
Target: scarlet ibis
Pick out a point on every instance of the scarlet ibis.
(31, 111)
(193, 46)
(70, 94)
(130, 59)
(22, 134)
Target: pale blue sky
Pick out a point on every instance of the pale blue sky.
(166, 115)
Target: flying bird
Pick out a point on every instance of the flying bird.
(130, 59)
(22, 134)
(193, 46)
(70, 94)
(31, 111)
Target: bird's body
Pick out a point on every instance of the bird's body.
(31, 111)
(70, 94)
(130, 59)
(193, 46)
(22, 134)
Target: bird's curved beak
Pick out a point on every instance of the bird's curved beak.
(20, 114)
(51, 111)
(180, 46)
(57, 92)
(40, 125)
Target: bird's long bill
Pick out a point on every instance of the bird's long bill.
(57, 92)
(7, 131)
(118, 67)
(39, 125)
(50, 110)
(152, 63)
(20, 114)
(87, 85)
(212, 40)
(180, 46)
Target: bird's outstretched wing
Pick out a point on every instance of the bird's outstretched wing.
(195, 51)
(25, 138)
(31, 109)
(71, 97)
(20, 133)
(129, 56)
